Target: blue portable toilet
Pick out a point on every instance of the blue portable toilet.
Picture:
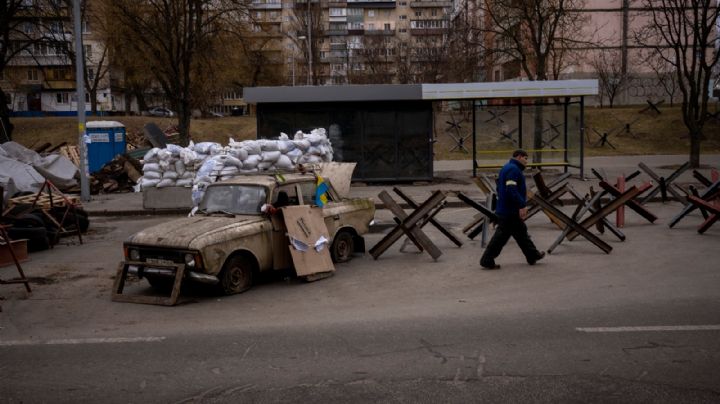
(106, 140)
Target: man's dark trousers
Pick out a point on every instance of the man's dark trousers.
(507, 227)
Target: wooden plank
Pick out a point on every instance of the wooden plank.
(413, 230)
(641, 210)
(430, 220)
(121, 278)
(621, 200)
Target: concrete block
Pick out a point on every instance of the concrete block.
(167, 198)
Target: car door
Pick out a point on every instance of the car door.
(280, 240)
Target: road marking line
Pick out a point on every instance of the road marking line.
(710, 327)
(75, 341)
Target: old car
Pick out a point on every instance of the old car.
(237, 231)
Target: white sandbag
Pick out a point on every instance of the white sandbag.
(170, 175)
(271, 156)
(248, 170)
(166, 165)
(294, 155)
(164, 155)
(302, 144)
(252, 147)
(299, 135)
(174, 149)
(207, 168)
(166, 183)
(316, 140)
(207, 148)
(188, 174)
(228, 170)
(188, 156)
(151, 155)
(284, 163)
(184, 183)
(152, 175)
(180, 167)
(314, 150)
(203, 180)
(151, 167)
(268, 145)
(252, 161)
(240, 154)
(232, 161)
(265, 165)
(318, 132)
(310, 159)
(148, 182)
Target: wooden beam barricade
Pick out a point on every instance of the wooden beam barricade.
(593, 205)
(489, 216)
(707, 195)
(430, 220)
(632, 204)
(620, 200)
(408, 224)
(572, 224)
(713, 209)
(663, 184)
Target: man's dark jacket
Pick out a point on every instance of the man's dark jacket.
(511, 189)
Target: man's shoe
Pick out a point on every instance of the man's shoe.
(537, 258)
(490, 266)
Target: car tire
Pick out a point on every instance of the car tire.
(236, 275)
(342, 247)
(37, 237)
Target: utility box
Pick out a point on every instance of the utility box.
(107, 140)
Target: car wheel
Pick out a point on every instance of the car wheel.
(236, 275)
(343, 247)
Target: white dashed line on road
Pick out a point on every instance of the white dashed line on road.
(710, 327)
(77, 341)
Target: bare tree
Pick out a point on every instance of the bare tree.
(177, 38)
(21, 31)
(609, 70)
(665, 75)
(307, 33)
(683, 33)
(531, 37)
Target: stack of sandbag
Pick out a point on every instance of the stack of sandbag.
(173, 166)
(203, 163)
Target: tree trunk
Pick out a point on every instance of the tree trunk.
(695, 137)
(6, 127)
(184, 123)
(93, 101)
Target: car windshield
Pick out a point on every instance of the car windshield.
(235, 199)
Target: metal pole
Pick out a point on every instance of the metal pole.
(309, 43)
(474, 138)
(80, 85)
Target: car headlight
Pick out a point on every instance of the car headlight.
(134, 254)
(190, 260)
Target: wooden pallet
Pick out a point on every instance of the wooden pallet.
(43, 201)
(71, 152)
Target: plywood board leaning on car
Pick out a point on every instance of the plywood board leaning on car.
(309, 241)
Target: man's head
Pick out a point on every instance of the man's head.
(521, 156)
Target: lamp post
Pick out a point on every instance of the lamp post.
(309, 57)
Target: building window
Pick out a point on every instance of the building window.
(371, 13)
(387, 27)
(403, 17)
(433, 12)
(85, 27)
(28, 28)
(61, 98)
(88, 51)
(91, 74)
(403, 30)
(32, 75)
(371, 26)
(418, 14)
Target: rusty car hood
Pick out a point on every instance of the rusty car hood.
(180, 233)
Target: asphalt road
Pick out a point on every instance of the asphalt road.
(641, 324)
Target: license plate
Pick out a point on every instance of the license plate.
(159, 261)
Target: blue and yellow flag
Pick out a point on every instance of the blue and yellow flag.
(321, 192)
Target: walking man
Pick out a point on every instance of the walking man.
(511, 213)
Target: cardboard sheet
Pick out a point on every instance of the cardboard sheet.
(309, 240)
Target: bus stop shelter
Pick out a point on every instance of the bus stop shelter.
(389, 130)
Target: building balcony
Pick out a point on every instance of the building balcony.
(333, 59)
(371, 3)
(336, 32)
(337, 18)
(337, 3)
(430, 3)
(266, 5)
(40, 60)
(356, 31)
(427, 31)
(380, 32)
(58, 85)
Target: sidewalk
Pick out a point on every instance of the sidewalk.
(450, 175)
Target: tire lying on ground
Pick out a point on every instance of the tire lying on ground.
(69, 222)
(37, 237)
